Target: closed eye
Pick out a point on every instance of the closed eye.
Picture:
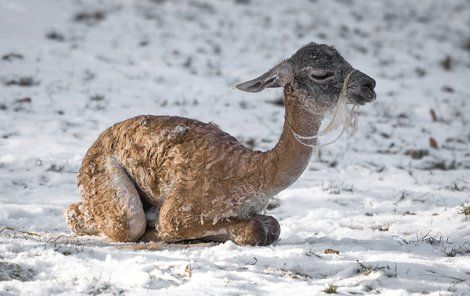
(321, 76)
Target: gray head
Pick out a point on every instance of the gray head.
(316, 73)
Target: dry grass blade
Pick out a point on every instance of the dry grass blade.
(157, 246)
(441, 275)
(19, 231)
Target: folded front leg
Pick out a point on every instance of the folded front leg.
(259, 230)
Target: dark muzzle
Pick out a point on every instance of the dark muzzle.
(361, 88)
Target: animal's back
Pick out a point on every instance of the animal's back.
(164, 154)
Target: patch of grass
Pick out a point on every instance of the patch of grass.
(449, 248)
(337, 187)
(98, 287)
(408, 213)
(65, 245)
(57, 168)
(447, 63)
(54, 35)
(426, 238)
(420, 72)
(368, 269)
(97, 98)
(12, 56)
(97, 102)
(26, 81)
(384, 227)
(364, 269)
(452, 251)
(465, 209)
(447, 89)
(331, 289)
(452, 288)
(90, 17)
(369, 289)
(12, 271)
(417, 154)
(439, 165)
(294, 274)
(455, 186)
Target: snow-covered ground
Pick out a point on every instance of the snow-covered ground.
(381, 212)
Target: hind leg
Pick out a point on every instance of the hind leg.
(257, 230)
(112, 201)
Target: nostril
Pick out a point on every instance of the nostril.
(369, 83)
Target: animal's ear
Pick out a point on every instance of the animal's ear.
(276, 77)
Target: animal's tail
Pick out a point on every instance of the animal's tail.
(80, 220)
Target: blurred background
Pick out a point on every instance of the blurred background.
(70, 69)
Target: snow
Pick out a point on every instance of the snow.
(397, 221)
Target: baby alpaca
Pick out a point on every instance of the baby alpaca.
(202, 181)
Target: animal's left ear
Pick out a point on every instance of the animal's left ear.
(276, 77)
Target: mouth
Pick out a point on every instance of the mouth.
(363, 97)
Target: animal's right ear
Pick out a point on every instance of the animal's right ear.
(276, 77)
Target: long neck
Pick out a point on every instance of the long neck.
(288, 159)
